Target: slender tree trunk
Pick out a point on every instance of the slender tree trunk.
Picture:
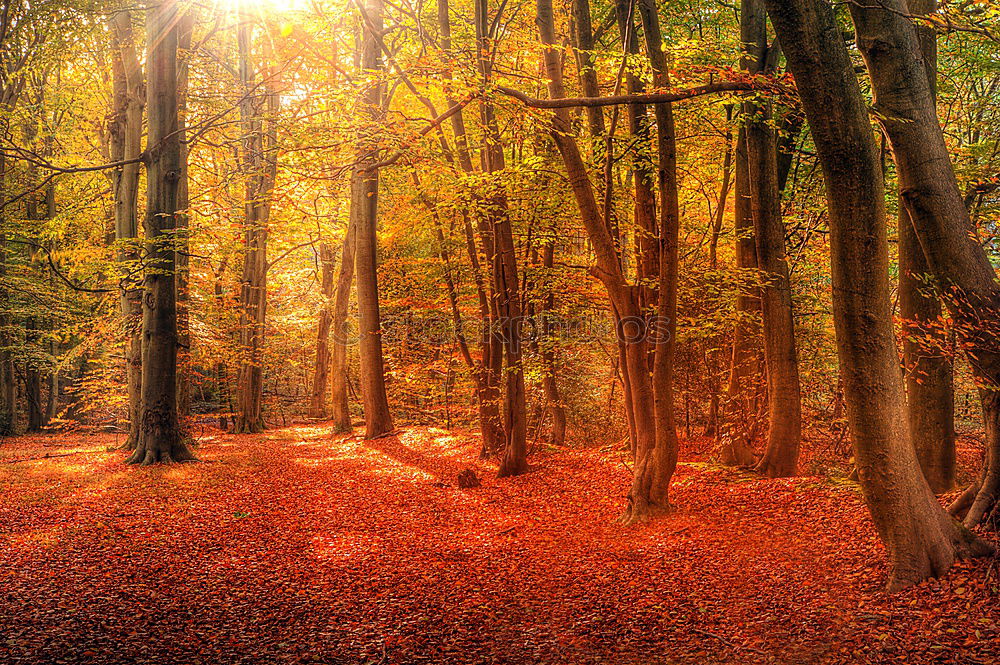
(921, 539)
(662, 460)
(713, 356)
(321, 370)
(488, 392)
(340, 413)
(904, 97)
(586, 65)
(553, 400)
(784, 403)
(159, 433)
(364, 215)
(260, 163)
(8, 380)
(503, 271)
(125, 143)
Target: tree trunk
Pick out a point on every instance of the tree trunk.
(921, 539)
(321, 371)
(341, 414)
(662, 334)
(713, 356)
(364, 215)
(260, 165)
(652, 473)
(741, 420)
(553, 400)
(784, 403)
(159, 431)
(488, 392)
(125, 143)
(904, 98)
(503, 272)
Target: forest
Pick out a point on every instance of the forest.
(500, 331)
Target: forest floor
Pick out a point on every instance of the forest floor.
(294, 547)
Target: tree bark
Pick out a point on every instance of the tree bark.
(159, 434)
(652, 473)
(125, 143)
(364, 215)
(321, 369)
(920, 538)
(260, 165)
(488, 391)
(506, 292)
(340, 413)
(742, 405)
(784, 403)
(904, 99)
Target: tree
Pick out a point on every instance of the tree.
(940, 219)
(125, 146)
(160, 437)
(364, 216)
(655, 450)
(321, 368)
(258, 106)
(784, 422)
(921, 539)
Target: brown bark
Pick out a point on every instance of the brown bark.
(783, 395)
(741, 408)
(159, 431)
(904, 98)
(920, 538)
(125, 142)
(340, 412)
(321, 369)
(503, 273)
(260, 165)
(661, 461)
(586, 65)
(652, 473)
(364, 214)
(488, 392)
(550, 386)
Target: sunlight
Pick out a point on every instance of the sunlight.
(265, 6)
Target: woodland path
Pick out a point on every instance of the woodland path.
(291, 547)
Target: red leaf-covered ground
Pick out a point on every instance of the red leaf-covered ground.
(292, 547)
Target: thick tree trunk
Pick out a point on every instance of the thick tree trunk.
(125, 143)
(904, 98)
(741, 409)
(340, 412)
(159, 431)
(921, 539)
(260, 165)
(663, 333)
(364, 214)
(321, 369)
(777, 324)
